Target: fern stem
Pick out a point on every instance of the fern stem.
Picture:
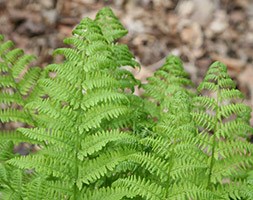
(76, 170)
(212, 162)
(169, 171)
(217, 118)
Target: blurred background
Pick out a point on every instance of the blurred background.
(199, 31)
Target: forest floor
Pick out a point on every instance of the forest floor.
(199, 31)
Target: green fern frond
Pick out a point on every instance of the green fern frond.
(182, 169)
(49, 136)
(204, 120)
(205, 102)
(52, 110)
(18, 79)
(142, 187)
(152, 163)
(12, 187)
(8, 99)
(108, 193)
(229, 154)
(5, 46)
(94, 116)
(69, 54)
(40, 188)
(126, 79)
(16, 63)
(97, 141)
(236, 190)
(228, 110)
(231, 167)
(15, 136)
(123, 56)
(92, 170)
(232, 148)
(208, 86)
(159, 145)
(60, 90)
(70, 120)
(168, 80)
(231, 94)
(6, 152)
(102, 95)
(47, 166)
(29, 82)
(99, 80)
(190, 191)
(13, 115)
(237, 127)
(6, 82)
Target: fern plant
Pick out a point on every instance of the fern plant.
(73, 120)
(172, 163)
(224, 125)
(100, 141)
(18, 86)
(191, 152)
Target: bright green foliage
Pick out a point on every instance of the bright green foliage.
(17, 79)
(100, 141)
(168, 80)
(223, 123)
(172, 163)
(18, 86)
(78, 120)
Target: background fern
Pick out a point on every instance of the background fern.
(224, 125)
(18, 86)
(171, 162)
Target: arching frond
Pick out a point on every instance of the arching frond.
(142, 187)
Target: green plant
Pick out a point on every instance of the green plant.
(100, 141)
(197, 148)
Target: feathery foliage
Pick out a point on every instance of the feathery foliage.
(100, 141)
(223, 122)
(18, 86)
(78, 120)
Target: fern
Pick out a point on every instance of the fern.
(17, 81)
(76, 109)
(226, 124)
(100, 141)
(171, 157)
(18, 87)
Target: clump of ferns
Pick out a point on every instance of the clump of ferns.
(80, 123)
(196, 150)
(171, 161)
(84, 123)
(224, 125)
